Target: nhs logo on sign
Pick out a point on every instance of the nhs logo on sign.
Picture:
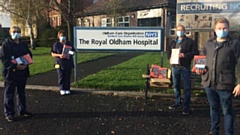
(151, 34)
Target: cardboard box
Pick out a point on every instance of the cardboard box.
(161, 85)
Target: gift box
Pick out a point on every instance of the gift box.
(25, 60)
(66, 50)
(199, 62)
(158, 72)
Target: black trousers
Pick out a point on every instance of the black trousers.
(64, 78)
(10, 85)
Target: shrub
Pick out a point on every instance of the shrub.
(48, 37)
(4, 33)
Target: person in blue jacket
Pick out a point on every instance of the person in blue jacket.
(63, 51)
(15, 75)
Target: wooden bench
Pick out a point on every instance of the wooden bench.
(166, 83)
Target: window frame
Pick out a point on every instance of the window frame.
(172, 30)
(124, 22)
(108, 22)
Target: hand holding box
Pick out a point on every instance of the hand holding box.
(65, 52)
(24, 60)
(71, 52)
(199, 63)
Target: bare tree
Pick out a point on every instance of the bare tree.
(69, 10)
(25, 12)
(117, 8)
(34, 11)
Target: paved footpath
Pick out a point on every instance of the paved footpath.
(84, 69)
(84, 113)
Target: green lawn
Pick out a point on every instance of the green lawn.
(41, 50)
(125, 76)
(43, 61)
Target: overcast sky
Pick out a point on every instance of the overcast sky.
(5, 20)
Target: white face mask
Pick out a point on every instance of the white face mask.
(180, 33)
(16, 35)
(62, 38)
(221, 33)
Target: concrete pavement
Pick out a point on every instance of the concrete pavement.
(84, 113)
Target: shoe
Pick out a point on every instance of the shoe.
(62, 92)
(185, 112)
(174, 106)
(10, 118)
(26, 114)
(67, 92)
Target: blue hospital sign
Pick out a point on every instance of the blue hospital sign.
(151, 34)
(125, 39)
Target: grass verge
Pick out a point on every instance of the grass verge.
(127, 76)
(43, 61)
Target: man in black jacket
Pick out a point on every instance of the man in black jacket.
(187, 49)
(222, 54)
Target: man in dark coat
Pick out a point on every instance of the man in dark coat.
(222, 54)
(187, 49)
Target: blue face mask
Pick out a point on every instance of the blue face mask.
(180, 33)
(62, 38)
(179, 41)
(15, 35)
(221, 33)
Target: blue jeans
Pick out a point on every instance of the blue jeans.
(185, 74)
(215, 98)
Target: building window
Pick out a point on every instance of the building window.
(51, 21)
(149, 22)
(56, 19)
(172, 31)
(109, 22)
(172, 25)
(106, 22)
(123, 21)
(59, 21)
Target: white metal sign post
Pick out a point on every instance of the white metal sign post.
(118, 39)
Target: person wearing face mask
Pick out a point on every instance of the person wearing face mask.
(62, 63)
(222, 54)
(14, 75)
(187, 49)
